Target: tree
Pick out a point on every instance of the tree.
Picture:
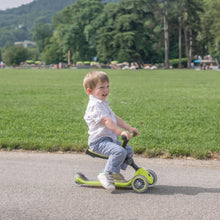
(163, 6)
(186, 12)
(52, 52)
(74, 28)
(6, 37)
(15, 55)
(191, 25)
(126, 33)
(209, 33)
(41, 35)
(166, 34)
(33, 53)
(175, 20)
(180, 32)
(105, 32)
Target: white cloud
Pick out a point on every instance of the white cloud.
(6, 4)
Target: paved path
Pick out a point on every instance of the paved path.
(40, 186)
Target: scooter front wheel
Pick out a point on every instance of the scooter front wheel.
(139, 184)
(154, 175)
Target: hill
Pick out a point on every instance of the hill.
(16, 24)
(38, 10)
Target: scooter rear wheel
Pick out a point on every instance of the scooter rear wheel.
(77, 176)
(139, 184)
(154, 175)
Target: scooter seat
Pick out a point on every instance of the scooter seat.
(94, 154)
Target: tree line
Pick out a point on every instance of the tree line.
(142, 31)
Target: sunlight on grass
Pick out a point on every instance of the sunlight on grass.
(177, 112)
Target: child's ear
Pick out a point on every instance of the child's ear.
(89, 91)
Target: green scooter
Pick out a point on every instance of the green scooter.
(141, 180)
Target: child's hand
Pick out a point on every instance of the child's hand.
(135, 131)
(126, 134)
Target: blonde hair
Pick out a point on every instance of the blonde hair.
(93, 78)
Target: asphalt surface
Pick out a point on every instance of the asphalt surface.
(40, 186)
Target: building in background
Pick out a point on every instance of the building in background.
(25, 43)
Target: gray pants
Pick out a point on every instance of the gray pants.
(114, 151)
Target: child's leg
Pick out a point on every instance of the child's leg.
(116, 153)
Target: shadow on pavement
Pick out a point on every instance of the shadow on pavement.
(164, 190)
(186, 190)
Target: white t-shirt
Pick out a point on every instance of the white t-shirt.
(95, 112)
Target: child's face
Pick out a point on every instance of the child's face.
(101, 91)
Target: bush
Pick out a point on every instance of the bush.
(15, 55)
(175, 62)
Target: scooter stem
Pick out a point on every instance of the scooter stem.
(131, 162)
(128, 160)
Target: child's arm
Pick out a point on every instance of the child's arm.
(111, 125)
(122, 124)
(116, 128)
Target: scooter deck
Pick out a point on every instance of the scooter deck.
(83, 182)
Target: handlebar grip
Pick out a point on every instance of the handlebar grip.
(125, 140)
(134, 134)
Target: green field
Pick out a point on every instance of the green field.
(177, 112)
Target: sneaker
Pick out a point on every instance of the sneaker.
(107, 181)
(118, 177)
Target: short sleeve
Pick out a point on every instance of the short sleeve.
(98, 112)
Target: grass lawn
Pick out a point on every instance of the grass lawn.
(177, 112)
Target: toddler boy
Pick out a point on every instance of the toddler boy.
(104, 127)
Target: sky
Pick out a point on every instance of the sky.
(6, 4)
